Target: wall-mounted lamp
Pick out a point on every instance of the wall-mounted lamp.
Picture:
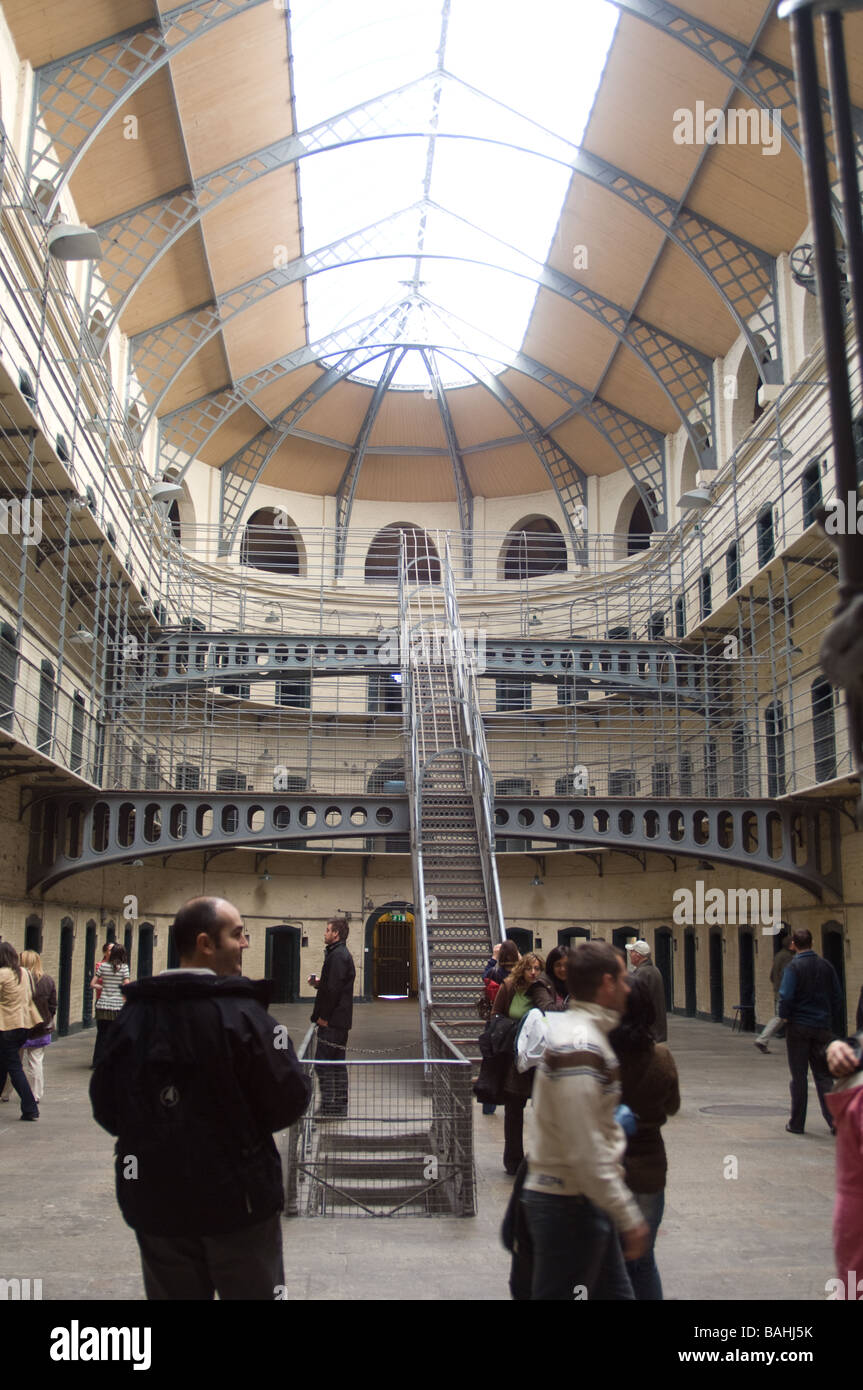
(68, 242)
(83, 637)
(695, 500)
(272, 618)
(164, 491)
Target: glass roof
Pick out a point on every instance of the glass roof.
(444, 220)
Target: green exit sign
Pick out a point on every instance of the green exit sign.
(397, 916)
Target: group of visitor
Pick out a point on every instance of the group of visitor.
(639, 1075)
(28, 1007)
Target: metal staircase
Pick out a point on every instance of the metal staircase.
(456, 894)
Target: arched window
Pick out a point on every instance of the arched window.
(8, 673)
(811, 484)
(76, 746)
(732, 568)
(764, 534)
(711, 763)
(774, 730)
(640, 529)
(823, 730)
(187, 777)
(680, 617)
(384, 554)
(534, 547)
(271, 542)
(705, 594)
(45, 713)
(739, 761)
(656, 626)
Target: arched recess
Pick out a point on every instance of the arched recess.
(743, 385)
(534, 546)
(633, 527)
(833, 951)
(382, 557)
(689, 469)
(811, 320)
(181, 513)
(388, 970)
(272, 542)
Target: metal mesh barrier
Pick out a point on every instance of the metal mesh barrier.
(384, 1137)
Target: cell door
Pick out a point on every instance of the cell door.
(832, 951)
(717, 1000)
(522, 937)
(145, 951)
(89, 967)
(64, 983)
(664, 957)
(282, 963)
(393, 947)
(747, 981)
(690, 990)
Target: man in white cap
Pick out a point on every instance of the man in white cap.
(638, 955)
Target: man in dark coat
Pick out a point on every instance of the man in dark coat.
(810, 1000)
(195, 1079)
(333, 1013)
(639, 959)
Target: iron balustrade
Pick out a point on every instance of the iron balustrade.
(404, 1147)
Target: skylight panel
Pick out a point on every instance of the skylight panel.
(544, 62)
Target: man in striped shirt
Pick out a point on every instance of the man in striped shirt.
(575, 1200)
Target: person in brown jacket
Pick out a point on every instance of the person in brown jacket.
(525, 988)
(649, 1086)
(18, 1014)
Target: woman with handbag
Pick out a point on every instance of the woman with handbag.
(525, 988)
(110, 977)
(18, 1014)
(33, 1050)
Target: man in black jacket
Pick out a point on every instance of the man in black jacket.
(333, 1013)
(810, 1000)
(195, 1080)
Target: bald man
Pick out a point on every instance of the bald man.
(195, 1080)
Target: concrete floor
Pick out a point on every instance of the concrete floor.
(762, 1235)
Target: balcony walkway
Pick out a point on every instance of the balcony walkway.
(764, 1236)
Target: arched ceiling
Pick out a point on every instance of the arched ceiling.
(274, 335)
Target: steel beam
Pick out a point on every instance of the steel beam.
(781, 839)
(684, 374)
(742, 274)
(75, 97)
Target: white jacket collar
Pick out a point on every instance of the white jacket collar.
(606, 1019)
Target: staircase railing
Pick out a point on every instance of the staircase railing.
(480, 780)
(431, 639)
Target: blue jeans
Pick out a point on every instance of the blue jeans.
(643, 1274)
(574, 1246)
(10, 1061)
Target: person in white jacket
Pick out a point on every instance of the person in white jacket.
(574, 1196)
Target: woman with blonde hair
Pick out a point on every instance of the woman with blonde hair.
(18, 1014)
(33, 1049)
(525, 988)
